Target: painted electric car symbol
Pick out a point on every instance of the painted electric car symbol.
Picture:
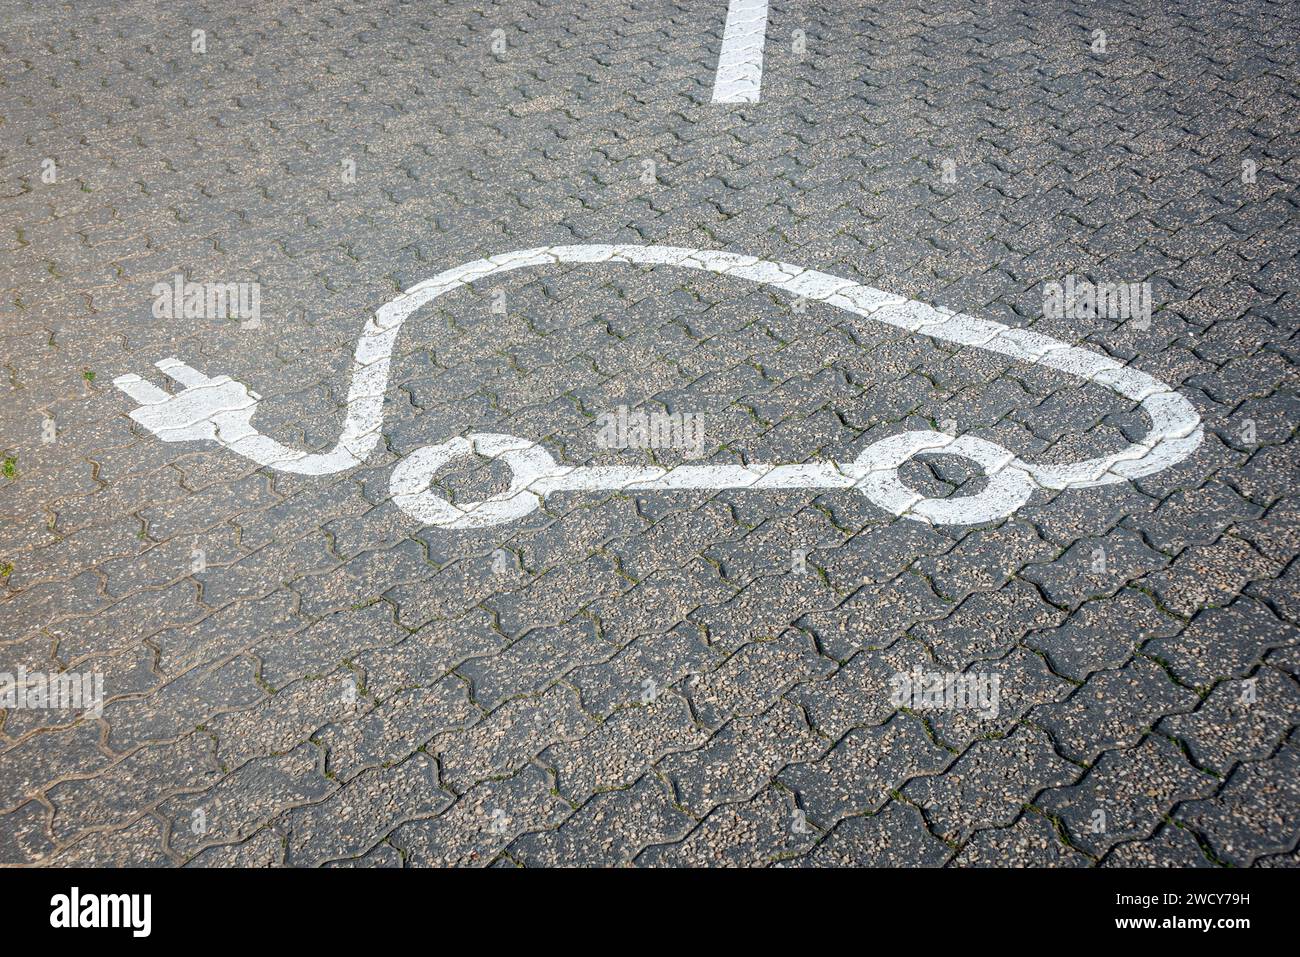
(220, 409)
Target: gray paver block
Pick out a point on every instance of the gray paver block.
(893, 837)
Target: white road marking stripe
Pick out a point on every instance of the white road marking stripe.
(740, 64)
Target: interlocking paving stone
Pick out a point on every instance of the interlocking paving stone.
(265, 848)
(354, 818)
(648, 664)
(1209, 576)
(764, 829)
(625, 745)
(989, 783)
(893, 837)
(1094, 567)
(1104, 633)
(506, 739)
(426, 655)
(1282, 594)
(1286, 660)
(537, 659)
(1125, 794)
(1288, 860)
(1222, 642)
(1113, 709)
(133, 785)
(483, 822)
(1277, 536)
(394, 728)
(1024, 681)
(744, 683)
(608, 830)
(987, 624)
(642, 677)
(227, 631)
(26, 836)
(1196, 516)
(129, 675)
(1172, 846)
(285, 719)
(139, 844)
(875, 615)
(859, 693)
(862, 770)
(1239, 721)
(1256, 813)
(241, 803)
(984, 560)
(128, 622)
(1032, 841)
(381, 855)
(319, 647)
(182, 704)
(736, 760)
(29, 767)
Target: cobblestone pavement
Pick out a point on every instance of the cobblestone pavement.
(295, 671)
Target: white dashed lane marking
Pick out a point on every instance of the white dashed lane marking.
(740, 64)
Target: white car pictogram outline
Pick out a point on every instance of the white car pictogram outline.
(220, 409)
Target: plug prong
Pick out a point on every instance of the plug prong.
(141, 390)
(188, 376)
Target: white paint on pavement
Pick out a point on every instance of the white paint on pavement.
(534, 475)
(740, 64)
(220, 409)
